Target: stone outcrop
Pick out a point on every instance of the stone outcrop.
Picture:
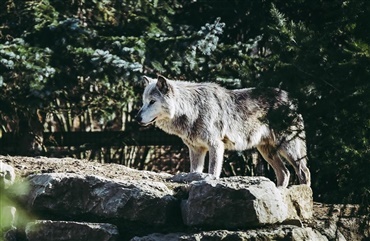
(284, 232)
(342, 221)
(72, 196)
(112, 202)
(76, 231)
(240, 202)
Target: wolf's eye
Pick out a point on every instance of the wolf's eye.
(151, 102)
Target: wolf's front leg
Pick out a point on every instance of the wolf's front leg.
(216, 157)
(197, 155)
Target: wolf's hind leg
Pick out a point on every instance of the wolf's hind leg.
(294, 152)
(269, 153)
(216, 157)
(197, 156)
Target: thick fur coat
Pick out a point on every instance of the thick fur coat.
(208, 117)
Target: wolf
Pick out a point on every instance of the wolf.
(208, 117)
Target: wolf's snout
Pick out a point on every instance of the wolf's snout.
(138, 118)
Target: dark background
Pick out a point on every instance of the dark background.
(75, 66)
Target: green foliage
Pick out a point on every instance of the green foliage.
(320, 65)
(77, 56)
(12, 214)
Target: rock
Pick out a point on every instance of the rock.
(342, 222)
(235, 202)
(304, 234)
(284, 232)
(7, 175)
(299, 201)
(140, 203)
(191, 177)
(46, 230)
(73, 196)
(11, 235)
(163, 237)
(26, 166)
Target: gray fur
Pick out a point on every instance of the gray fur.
(208, 117)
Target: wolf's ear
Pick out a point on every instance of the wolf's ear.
(163, 85)
(147, 80)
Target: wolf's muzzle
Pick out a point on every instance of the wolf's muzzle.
(138, 118)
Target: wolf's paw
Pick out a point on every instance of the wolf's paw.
(191, 177)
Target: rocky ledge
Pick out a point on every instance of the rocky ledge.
(71, 199)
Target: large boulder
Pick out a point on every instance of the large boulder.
(299, 202)
(240, 202)
(342, 222)
(73, 196)
(140, 203)
(284, 232)
(26, 166)
(47, 230)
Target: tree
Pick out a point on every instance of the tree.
(78, 59)
(323, 60)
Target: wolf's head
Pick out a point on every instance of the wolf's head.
(156, 101)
